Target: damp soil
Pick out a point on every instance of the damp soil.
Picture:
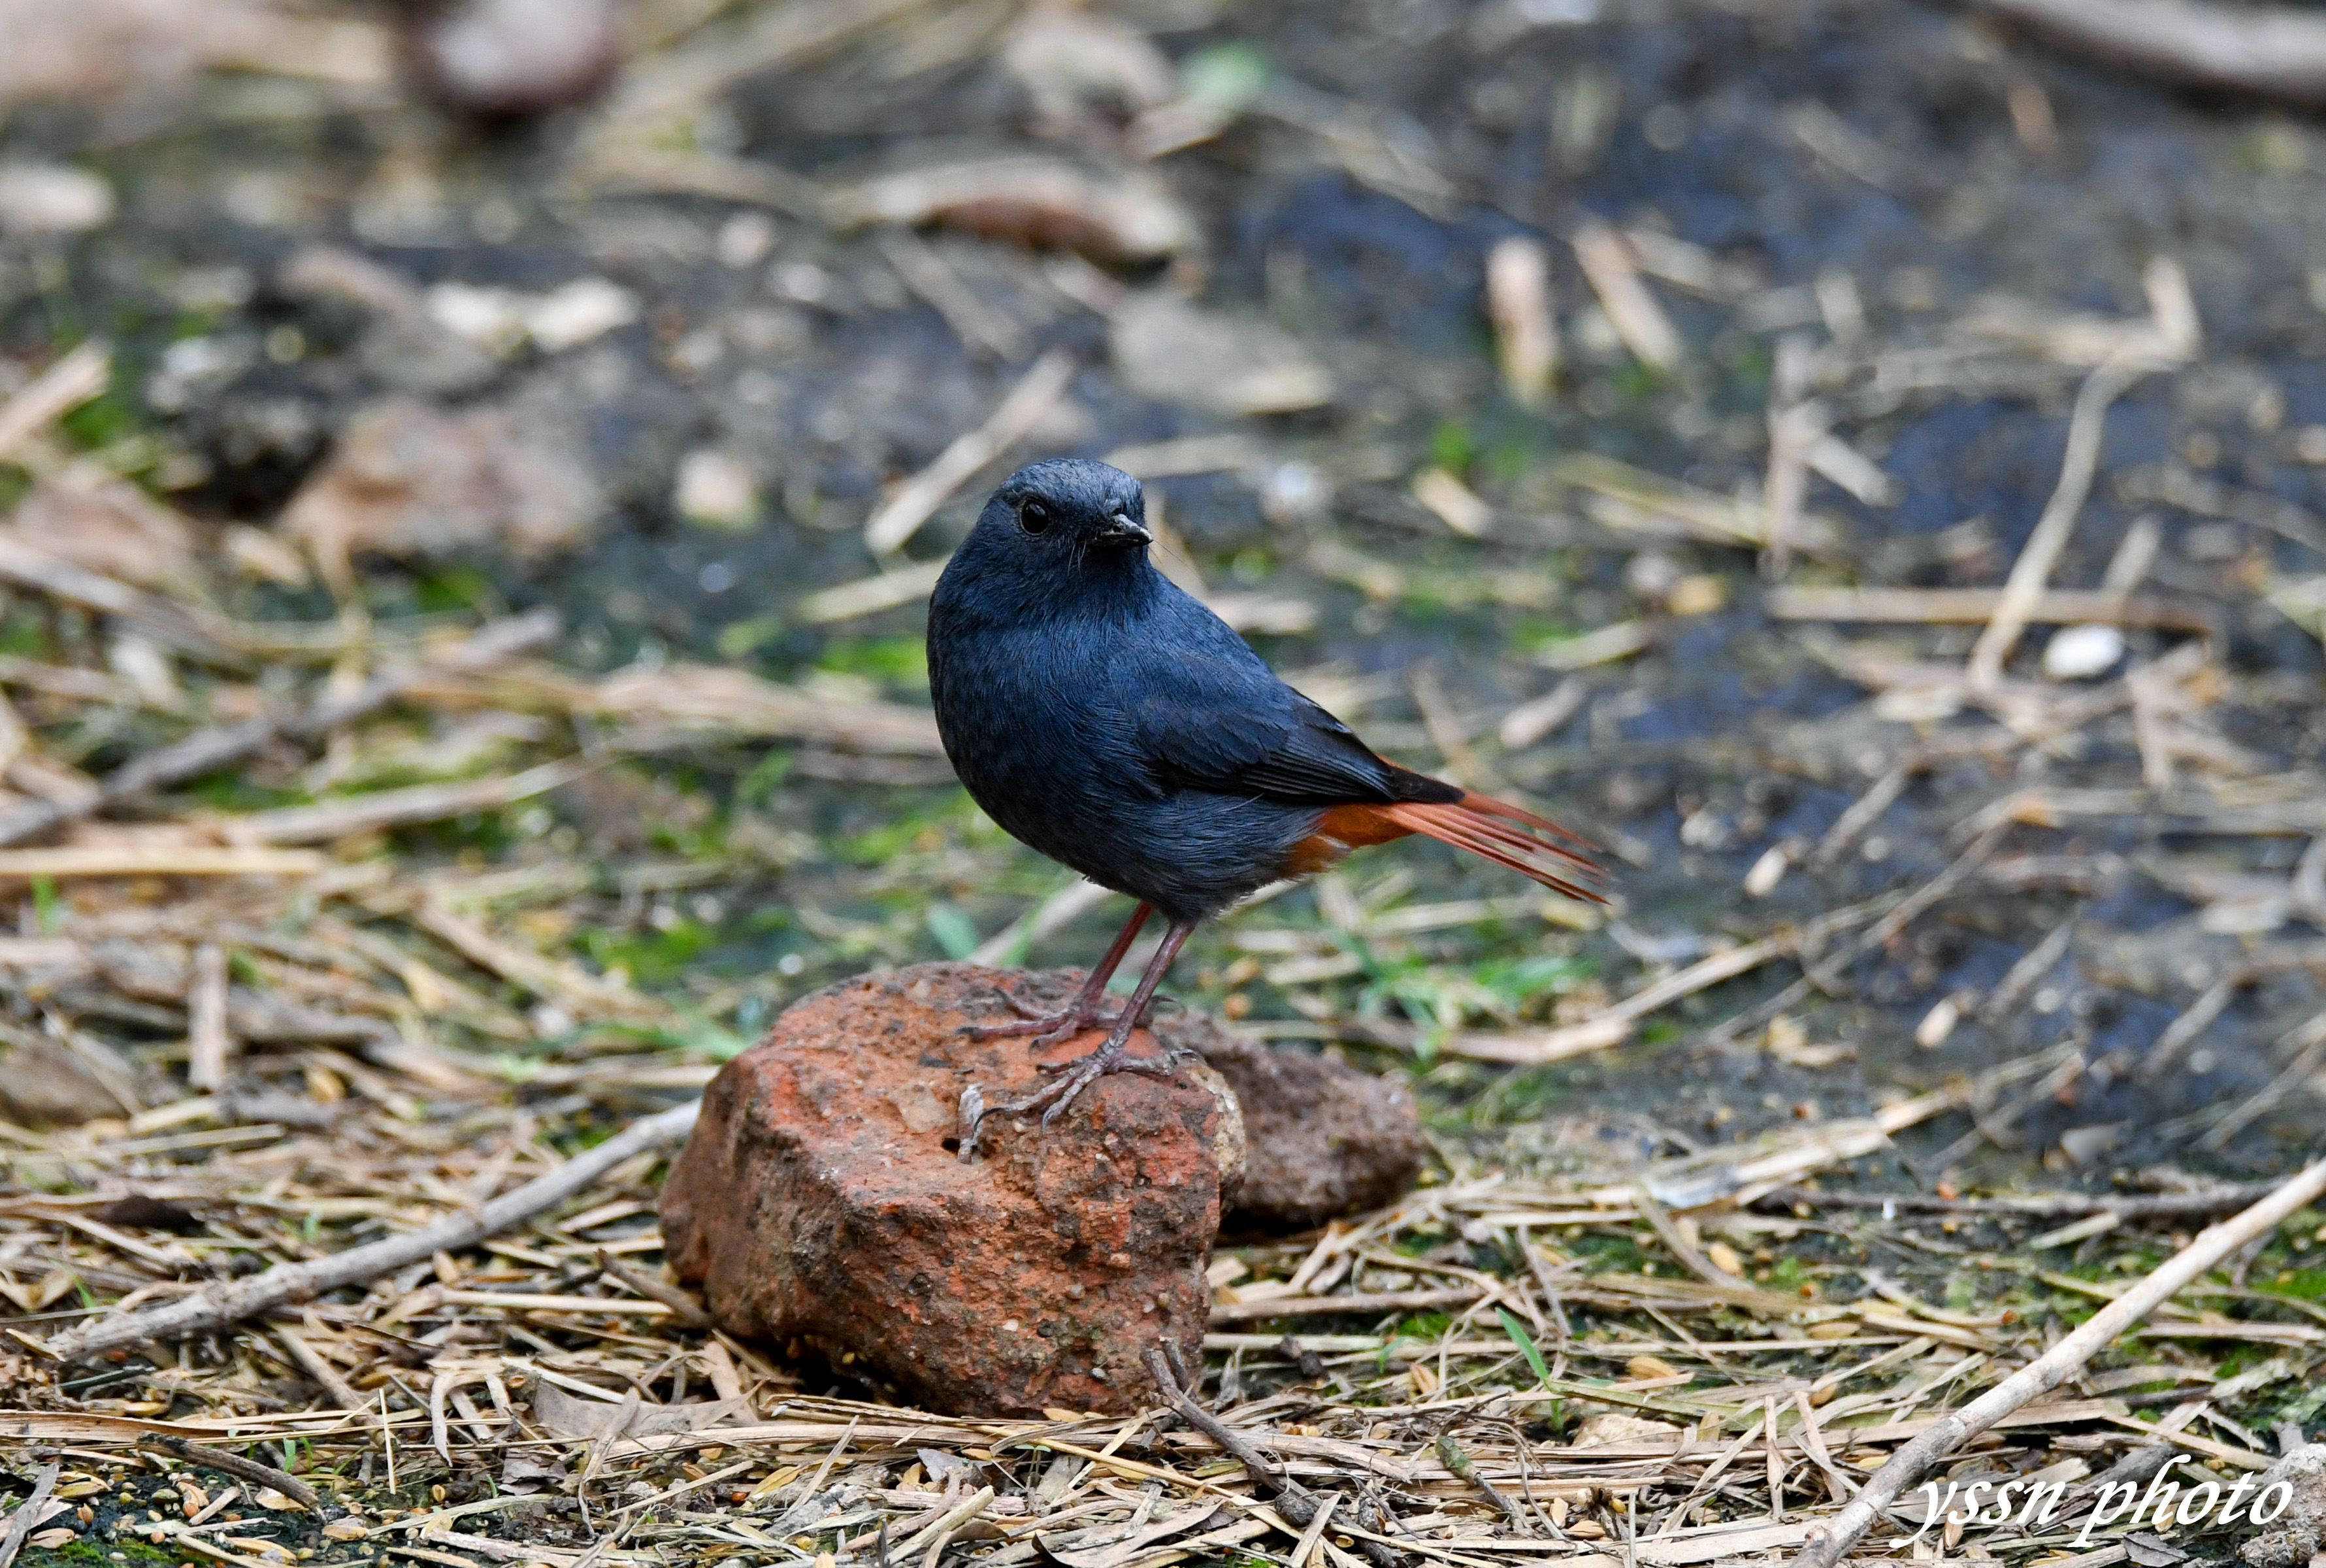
(1798, 144)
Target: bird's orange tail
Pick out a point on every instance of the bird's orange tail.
(1506, 834)
(1509, 836)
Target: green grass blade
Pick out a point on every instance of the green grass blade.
(1524, 1341)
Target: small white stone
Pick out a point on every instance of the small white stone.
(145, 667)
(52, 199)
(492, 318)
(716, 488)
(1767, 872)
(745, 239)
(802, 280)
(501, 319)
(1294, 490)
(1651, 573)
(2081, 653)
(583, 309)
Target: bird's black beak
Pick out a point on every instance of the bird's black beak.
(1123, 531)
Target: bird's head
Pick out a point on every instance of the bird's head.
(1069, 509)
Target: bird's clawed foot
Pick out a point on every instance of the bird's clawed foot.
(1114, 1056)
(1073, 1077)
(1047, 1028)
(1079, 1074)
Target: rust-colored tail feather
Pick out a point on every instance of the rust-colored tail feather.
(1498, 831)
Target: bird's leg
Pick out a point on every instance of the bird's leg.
(1086, 1011)
(1113, 1056)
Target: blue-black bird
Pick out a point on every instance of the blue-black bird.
(1105, 716)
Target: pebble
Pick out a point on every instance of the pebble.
(1324, 1138)
(716, 488)
(2082, 653)
(507, 59)
(502, 320)
(52, 199)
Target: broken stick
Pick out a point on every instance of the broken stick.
(1830, 1542)
(207, 750)
(2278, 50)
(2031, 574)
(59, 389)
(27, 1515)
(236, 1465)
(917, 500)
(2040, 1205)
(1294, 1502)
(231, 1301)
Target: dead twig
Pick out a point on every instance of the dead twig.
(234, 1299)
(1795, 429)
(1827, 976)
(59, 389)
(686, 1310)
(157, 860)
(20, 1523)
(1677, 1243)
(1608, 265)
(1526, 333)
(1286, 1306)
(2308, 1041)
(207, 1040)
(339, 819)
(1976, 606)
(1807, 946)
(235, 1465)
(1614, 1025)
(2277, 50)
(2193, 1021)
(2039, 1205)
(207, 750)
(1293, 1500)
(2030, 573)
(1831, 1541)
(1299, 1507)
(976, 323)
(916, 500)
(2038, 961)
(165, 622)
(326, 1376)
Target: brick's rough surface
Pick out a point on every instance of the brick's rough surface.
(820, 1199)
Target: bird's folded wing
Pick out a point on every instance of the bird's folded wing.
(1217, 724)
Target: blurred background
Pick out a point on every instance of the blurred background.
(1634, 407)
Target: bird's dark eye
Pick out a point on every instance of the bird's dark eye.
(1034, 518)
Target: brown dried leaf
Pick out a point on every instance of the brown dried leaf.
(107, 525)
(1070, 60)
(408, 480)
(1111, 214)
(1616, 1427)
(574, 1417)
(42, 1084)
(705, 697)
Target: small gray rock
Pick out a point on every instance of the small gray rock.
(509, 58)
(2294, 1536)
(1324, 1139)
